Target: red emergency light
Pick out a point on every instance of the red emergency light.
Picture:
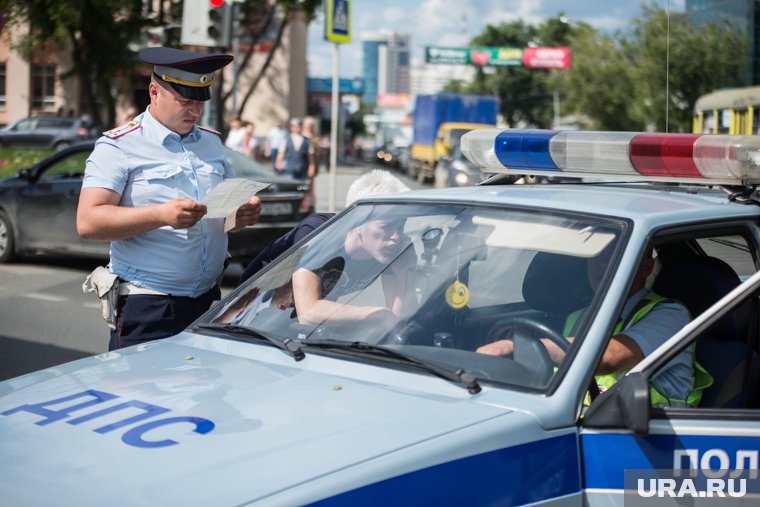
(680, 158)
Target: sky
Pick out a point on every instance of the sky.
(453, 23)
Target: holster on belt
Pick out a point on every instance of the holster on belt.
(106, 286)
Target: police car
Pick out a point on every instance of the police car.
(375, 393)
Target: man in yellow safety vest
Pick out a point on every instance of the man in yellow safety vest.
(647, 320)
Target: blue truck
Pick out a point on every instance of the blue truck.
(439, 122)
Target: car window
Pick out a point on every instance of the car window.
(697, 272)
(62, 123)
(26, 124)
(453, 276)
(47, 123)
(71, 165)
(732, 249)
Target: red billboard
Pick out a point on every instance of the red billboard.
(547, 58)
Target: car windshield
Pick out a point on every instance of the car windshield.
(436, 283)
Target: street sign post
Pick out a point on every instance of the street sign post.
(338, 31)
(338, 21)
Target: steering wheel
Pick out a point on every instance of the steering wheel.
(526, 333)
(534, 327)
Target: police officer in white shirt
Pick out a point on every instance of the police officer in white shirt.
(142, 190)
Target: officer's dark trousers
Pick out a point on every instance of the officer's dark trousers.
(143, 318)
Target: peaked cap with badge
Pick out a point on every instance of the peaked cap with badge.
(189, 73)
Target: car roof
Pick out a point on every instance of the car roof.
(641, 203)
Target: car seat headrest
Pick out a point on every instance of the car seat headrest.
(556, 283)
(698, 281)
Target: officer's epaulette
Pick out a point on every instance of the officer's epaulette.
(210, 130)
(124, 129)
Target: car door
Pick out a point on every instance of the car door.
(47, 131)
(633, 452)
(48, 205)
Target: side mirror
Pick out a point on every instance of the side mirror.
(24, 174)
(624, 405)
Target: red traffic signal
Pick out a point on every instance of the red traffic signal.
(216, 3)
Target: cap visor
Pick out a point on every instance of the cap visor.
(192, 92)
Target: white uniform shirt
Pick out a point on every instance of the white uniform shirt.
(150, 164)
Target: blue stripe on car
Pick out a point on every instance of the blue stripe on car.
(512, 476)
(603, 468)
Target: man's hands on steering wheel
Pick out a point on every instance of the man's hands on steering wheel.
(529, 342)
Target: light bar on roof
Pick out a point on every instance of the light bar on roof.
(683, 158)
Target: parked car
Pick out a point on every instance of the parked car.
(38, 207)
(455, 170)
(259, 403)
(55, 132)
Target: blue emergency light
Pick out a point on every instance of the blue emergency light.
(695, 158)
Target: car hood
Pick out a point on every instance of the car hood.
(102, 428)
(10, 181)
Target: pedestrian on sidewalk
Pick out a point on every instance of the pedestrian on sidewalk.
(295, 158)
(272, 143)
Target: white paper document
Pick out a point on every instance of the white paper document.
(228, 195)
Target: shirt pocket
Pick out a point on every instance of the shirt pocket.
(161, 184)
(161, 174)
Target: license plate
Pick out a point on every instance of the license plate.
(276, 208)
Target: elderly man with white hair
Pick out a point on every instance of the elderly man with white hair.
(375, 182)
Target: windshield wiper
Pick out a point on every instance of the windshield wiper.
(459, 375)
(288, 345)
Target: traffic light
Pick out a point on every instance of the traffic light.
(219, 23)
(206, 23)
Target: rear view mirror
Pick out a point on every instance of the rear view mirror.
(475, 247)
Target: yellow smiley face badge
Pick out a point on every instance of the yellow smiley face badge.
(457, 295)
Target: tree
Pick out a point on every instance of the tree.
(647, 78)
(522, 94)
(675, 63)
(96, 32)
(525, 94)
(600, 84)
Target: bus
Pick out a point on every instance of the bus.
(728, 111)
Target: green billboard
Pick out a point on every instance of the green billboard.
(474, 56)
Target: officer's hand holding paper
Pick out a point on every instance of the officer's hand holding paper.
(225, 199)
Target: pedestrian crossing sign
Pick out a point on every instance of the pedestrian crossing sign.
(338, 21)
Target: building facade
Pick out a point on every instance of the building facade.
(386, 62)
